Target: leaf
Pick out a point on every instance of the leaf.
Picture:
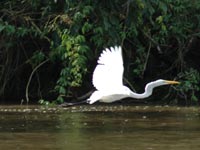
(10, 29)
(68, 45)
(2, 27)
(107, 24)
(22, 31)
(60, 99)
(62, 90)
(98, 30)
(163, 7)
(194, 98)
(86, 27)
(80, 39)
(83, 49)
(87, 10)
(159, 19)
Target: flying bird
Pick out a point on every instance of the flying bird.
(108, 79)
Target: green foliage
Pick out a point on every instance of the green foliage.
(73, 56)
(189, 87)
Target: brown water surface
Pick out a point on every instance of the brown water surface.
(107, 127)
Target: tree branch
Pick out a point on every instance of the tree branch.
(29, 80)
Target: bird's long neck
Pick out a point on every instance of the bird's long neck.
(148, 91)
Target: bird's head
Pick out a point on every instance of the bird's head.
(160, 82)
(149, 87)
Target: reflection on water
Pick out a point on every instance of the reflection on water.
(99, 127)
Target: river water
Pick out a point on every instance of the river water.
(108, 127)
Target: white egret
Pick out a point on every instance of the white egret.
(108, 79)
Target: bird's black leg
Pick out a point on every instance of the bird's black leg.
(66, 104)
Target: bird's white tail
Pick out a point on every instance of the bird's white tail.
(94, 97)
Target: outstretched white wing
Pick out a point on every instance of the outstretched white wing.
(108, 73)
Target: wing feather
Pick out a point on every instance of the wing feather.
(108, 73)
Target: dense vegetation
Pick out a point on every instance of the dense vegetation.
(48, 49)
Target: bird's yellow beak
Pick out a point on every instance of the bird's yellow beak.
(172, 82)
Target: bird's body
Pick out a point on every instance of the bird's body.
(108, 96)
(108, 79)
